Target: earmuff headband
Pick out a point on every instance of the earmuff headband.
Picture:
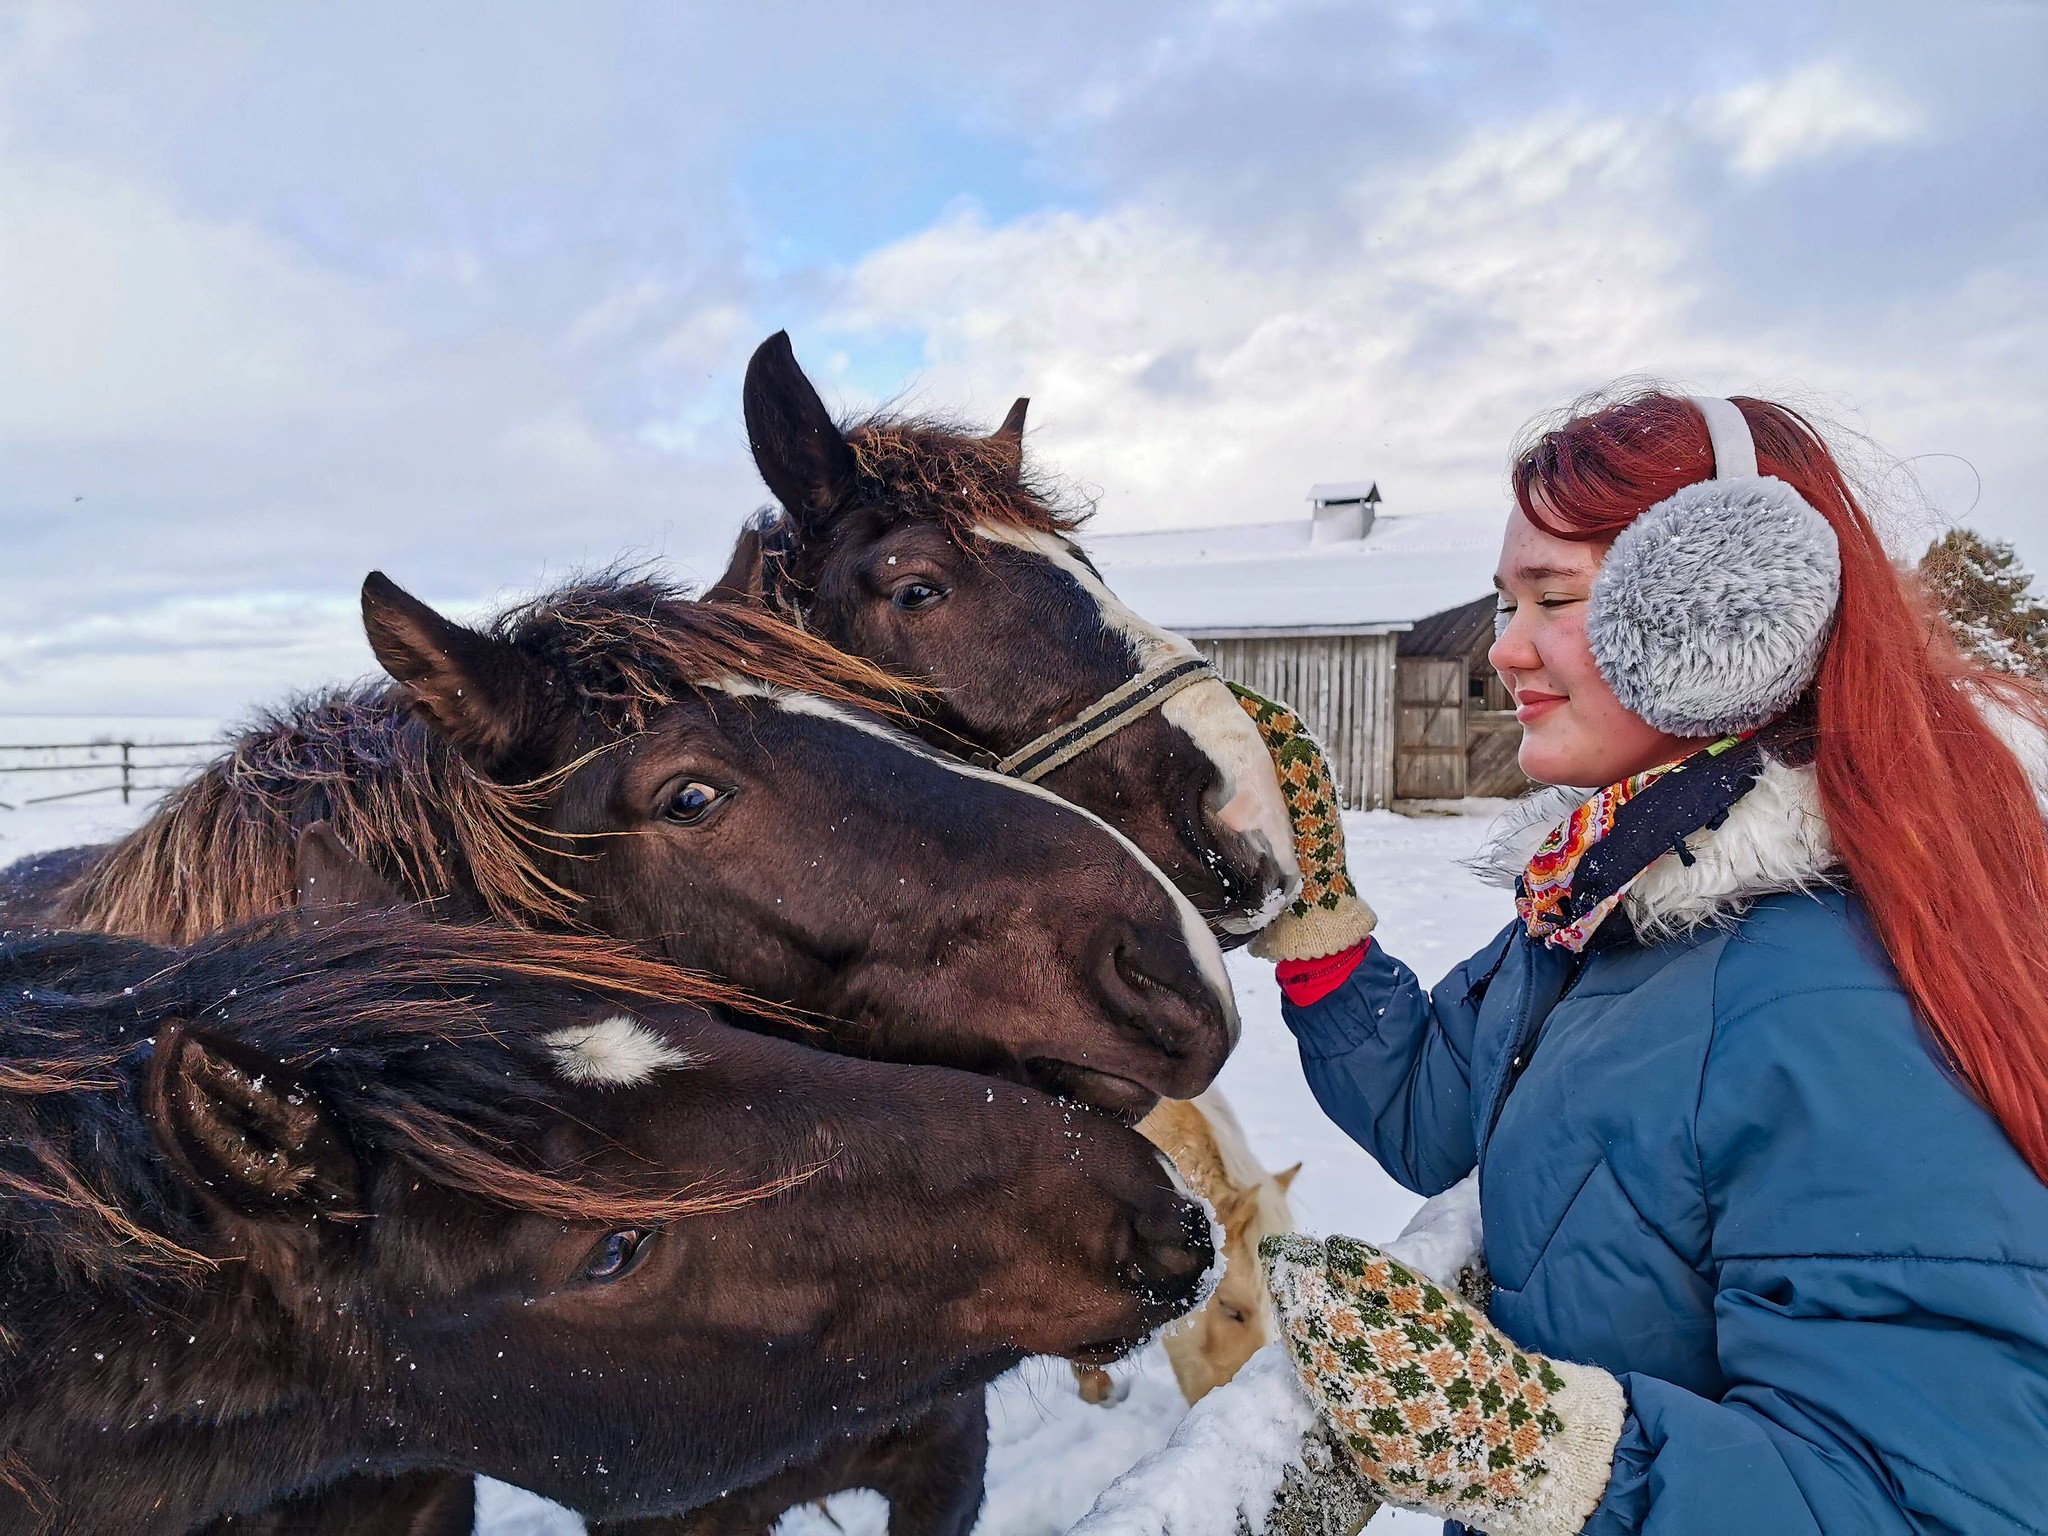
(1734, 448)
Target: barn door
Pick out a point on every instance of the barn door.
(1429, 743)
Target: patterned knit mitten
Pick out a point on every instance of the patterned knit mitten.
(1439, 1410)
(1328, 916)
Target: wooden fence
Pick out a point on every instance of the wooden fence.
(38, 773)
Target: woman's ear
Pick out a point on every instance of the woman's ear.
(244, 1132)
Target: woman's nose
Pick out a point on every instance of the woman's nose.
(1511, 650)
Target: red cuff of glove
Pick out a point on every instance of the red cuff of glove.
(1310, 981)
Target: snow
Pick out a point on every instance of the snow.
(1051, 1453)
(1270, 575)
(1444, 1236)
(1224, 1461)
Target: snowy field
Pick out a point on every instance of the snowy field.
(1052, 1453)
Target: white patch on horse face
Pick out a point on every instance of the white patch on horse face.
(743, 687)
(1207, 713)
(1201, 942)
(617, 1052)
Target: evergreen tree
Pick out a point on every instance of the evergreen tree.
(1985, 593)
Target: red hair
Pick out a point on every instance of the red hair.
(1930, 810)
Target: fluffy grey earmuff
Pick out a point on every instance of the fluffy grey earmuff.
(1711, 610)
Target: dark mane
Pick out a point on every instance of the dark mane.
(630, 645)
(422, 1039)
(936, 467)
(623, 645)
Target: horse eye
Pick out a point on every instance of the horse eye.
(913, 595)
(618, 1255)
(691, 803)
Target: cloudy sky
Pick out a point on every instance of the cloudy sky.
(464, 292)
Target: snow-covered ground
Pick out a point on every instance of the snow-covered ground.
(1052, 1453)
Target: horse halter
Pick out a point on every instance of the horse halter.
(1122, 705)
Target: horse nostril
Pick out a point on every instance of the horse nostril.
(1160, 993)
(1173, 1250)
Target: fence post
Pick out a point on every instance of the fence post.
(126, 765)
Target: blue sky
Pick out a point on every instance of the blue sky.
(464, 292)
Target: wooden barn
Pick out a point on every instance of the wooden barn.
(1374, 626)
(1456, 734)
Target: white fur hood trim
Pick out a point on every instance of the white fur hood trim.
(1774, 839)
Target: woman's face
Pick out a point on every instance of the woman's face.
(1574, 730)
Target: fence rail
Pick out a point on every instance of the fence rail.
(126, 768)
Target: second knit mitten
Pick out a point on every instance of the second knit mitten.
(1440, 1411)
(1328, 916)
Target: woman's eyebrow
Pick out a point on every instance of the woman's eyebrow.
(1539, 573)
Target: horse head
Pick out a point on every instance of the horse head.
(718, 787)
(397, 1194)
(936, 554)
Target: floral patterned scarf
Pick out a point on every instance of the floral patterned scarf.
(1587, 863)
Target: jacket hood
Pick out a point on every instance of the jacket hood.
(1774, 839)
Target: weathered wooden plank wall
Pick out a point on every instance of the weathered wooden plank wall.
(1429, 734)
(1494, 740)
(1342, 685)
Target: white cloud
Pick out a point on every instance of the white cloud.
(1811, 112)
(1193, 381)
(123, 316)
(160, 656)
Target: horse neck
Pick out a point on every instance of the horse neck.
(149, 1411)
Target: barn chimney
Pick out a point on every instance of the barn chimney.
(1343, 511)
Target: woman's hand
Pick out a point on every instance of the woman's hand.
(1438, 1409)
(1328, 917)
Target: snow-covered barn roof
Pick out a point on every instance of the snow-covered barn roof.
(1271, 576)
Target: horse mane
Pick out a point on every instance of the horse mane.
(622, 646)
(421, 1039)
(629, 645)
(221, 848)
(936, 467)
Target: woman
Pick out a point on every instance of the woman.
(1756, 1081)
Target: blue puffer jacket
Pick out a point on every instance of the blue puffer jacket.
(1725, 1165)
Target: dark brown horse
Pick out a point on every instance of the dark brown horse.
(713, 785)
(386, 1195)
(938, 555)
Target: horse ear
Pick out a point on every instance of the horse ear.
(1009, 437)
(741, 582)
(797, 445)
(1285, 1177)
(242, 1128)
(328, 874)
(1237, 1207)
(478, 690)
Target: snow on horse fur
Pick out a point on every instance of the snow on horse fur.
(1207, 1144)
